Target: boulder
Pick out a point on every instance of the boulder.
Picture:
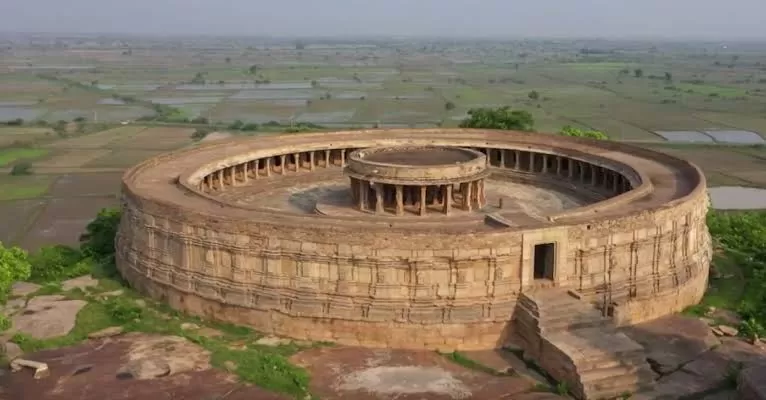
(728, 330)
(46, 317)
(81, 283)
(188, 326)
(272, 341)
(106, 332)
(12, 351)
(20, 289)
(146, 368)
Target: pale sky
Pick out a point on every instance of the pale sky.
(712, 19)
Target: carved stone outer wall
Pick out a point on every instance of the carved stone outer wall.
(405, 286)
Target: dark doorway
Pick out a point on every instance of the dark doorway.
(544, 260)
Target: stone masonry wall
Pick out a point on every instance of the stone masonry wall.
(416, 291)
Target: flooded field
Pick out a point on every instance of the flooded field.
(685, 136)
(737, 198)
(9, 113)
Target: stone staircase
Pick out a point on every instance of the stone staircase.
(574, 343)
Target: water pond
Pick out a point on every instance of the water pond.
(737, 198)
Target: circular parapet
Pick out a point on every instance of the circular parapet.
(417, 179)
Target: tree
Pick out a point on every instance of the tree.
(200, 133)
(228, 60)
(14, 266)
(98, 240)
(569, 130)
(236, 125)
(534, 95)
(55, 263)
(253, 69)
(199, 79)
(499, 118)
(668, 76)
(638, 72)
(449, 106)
(21, 168)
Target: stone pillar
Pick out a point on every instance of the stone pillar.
(481, 197)
(282, 160)
(233, 175)
(593, 175)
(558, 165)
(545, 163)
(354, 190)
(245, 171)
(363, 190)
(582, 171)
(616, 182)
(447, 199)
(502, 158)
(312, 160)
(342, 157)
(221, 183)
(516, 158)
(267, 163)
(379, 209)
(399, 200)
(570, 167)
(531, 162)
(327, 158)
(423, 199)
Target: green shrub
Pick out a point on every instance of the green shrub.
(499, 118)
(742, 236)
(97, 242)
(21, 168)
(577, 132)
(56, 263)
(14, 266)
(123, 310)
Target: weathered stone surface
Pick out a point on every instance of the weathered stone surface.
(118, 292)
(146, 368)
(13, 306)
(672, 341)
(728, 330)
(155, 352)
(47, 317)
(273, 341)
(82, 283)
(188, 326)
(751, 383)
(12, 350)
(106, 332)
(24, 288)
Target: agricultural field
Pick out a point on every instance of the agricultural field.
(89, 110)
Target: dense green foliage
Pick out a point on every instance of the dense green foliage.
(57, 263)
(569, 130)
(742, 236)
(21, 168)
(499, 118)
(14, 266)
(97, 242)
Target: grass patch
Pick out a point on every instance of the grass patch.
(466, 362)
(11, 155)
(23, 187)
(267, 367)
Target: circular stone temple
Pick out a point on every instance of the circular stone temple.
(567, 238)
(417, 179)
